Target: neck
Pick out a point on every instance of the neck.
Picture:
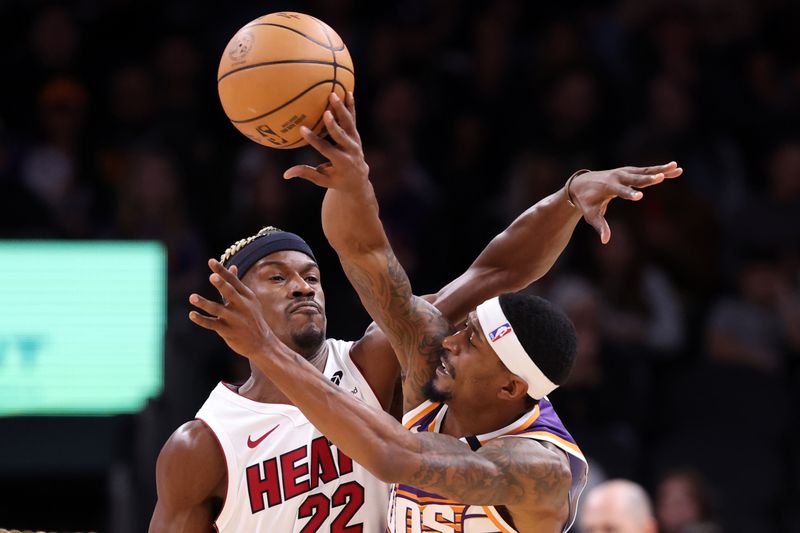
(260, 388)
(461, 421)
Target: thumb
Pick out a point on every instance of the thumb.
(601, 226)
(307, 173)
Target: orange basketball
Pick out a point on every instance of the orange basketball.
(276, 74)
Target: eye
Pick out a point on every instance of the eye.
(276, 277)
(312, 279)
(469, 332)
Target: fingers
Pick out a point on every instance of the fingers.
(336, 131)
(343, 114)
(627, 192)
(206, 322)
(213, 309)
(229, 276)
(640, 181)
(322, 146)
(652, 170)
(308, 173)
(228, 285)
(350, 100)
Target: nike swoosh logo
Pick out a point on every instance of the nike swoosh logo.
(253, 443)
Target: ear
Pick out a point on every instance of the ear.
(513, 389)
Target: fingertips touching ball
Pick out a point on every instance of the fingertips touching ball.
(276, 75)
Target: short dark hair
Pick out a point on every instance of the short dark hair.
(545, 333)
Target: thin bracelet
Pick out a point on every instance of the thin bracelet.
(569, 182)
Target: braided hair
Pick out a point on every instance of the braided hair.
(241, 243)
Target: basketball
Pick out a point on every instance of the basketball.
(276, 73)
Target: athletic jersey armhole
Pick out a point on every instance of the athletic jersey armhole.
(371, 397)
(563, 444)
(495, 518)
(231, 492)
(578, 466)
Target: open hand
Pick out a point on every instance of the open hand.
(592, 191)
(238, 321)
(345, 169)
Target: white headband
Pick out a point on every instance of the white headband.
(501, 337)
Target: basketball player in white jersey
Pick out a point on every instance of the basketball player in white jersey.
(512, 465)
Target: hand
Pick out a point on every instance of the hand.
(346, 169)
(592, 191)
(238, 321)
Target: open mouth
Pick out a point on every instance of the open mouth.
(442, 368)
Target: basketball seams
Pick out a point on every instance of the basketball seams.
(284, 62)
(333, 54)
(321, 36)
(298, 96)
(298, 32)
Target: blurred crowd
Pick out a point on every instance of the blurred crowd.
(689, 320)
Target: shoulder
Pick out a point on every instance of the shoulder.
(191, 466)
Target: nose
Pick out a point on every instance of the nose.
(451, 343)
(300, 287)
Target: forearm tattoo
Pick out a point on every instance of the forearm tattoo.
(507, 472)
(414, 327)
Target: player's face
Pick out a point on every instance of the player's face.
(469, 368)
(288, 286)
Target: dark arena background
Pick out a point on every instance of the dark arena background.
(120, 175)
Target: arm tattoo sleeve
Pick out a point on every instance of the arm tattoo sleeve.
(414, 327)
(506, 472)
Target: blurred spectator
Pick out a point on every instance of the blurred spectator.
(640, 307)
(605, 400)
(55, 39)
(683, 504)
(617, 506)
(259, 195)
(771, 217)
(406, 195)
(110, 126)
(755, 326)
(151, 207)
(55, 169)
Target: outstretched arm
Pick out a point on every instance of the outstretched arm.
(528, 248)
(515, 258)
(352, 226)
(513, 472)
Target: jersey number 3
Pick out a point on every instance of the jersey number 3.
(318, 507)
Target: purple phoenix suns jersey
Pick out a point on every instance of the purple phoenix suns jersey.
(415, 511)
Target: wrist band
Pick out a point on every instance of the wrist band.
(569, 182)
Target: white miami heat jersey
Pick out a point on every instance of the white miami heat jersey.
(416, 511)
(283, 474)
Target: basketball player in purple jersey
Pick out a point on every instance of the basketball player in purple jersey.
(486, 451)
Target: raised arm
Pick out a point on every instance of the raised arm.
(527, 249)
(515, 472)
(521, 254)
(351, 224)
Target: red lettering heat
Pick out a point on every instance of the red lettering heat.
(322, 466)
(290, 472)
(257, 485)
